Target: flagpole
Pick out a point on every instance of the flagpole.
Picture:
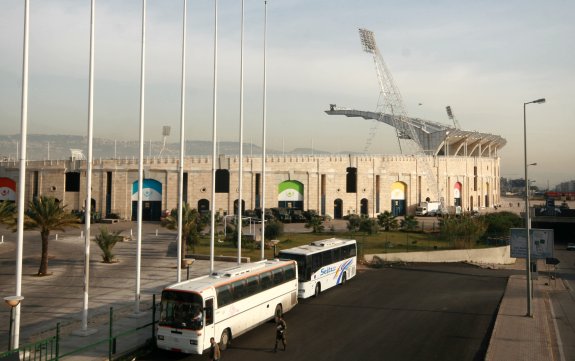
(22, 176)
(88, 207)
(141, 161)
(181, 165)
(214, 138)
(263, 205)
(241, 162)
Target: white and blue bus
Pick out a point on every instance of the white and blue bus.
(224, 305)
(322, 264)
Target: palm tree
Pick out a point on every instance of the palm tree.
(106, 240)
(387, 221)
(192, 224)
(315, 223)
(48, 215)
(7, 210)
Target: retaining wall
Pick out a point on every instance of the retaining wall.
(496, 255)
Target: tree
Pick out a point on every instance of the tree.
(192, 224)
(387, 221)
(409, 223)
(106, 241)
(353, 222)
(7, 211)
(499, 223)
(274, 229)
(368, 225)
(315, 223)
(462, 231)
(46, 214)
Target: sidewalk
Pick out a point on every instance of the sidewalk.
(518, 337)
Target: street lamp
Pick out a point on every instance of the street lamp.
(527, 220)
(13, 302)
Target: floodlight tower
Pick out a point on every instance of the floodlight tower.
(452, 117)
(165, 134)
(390, 100)
(391, 103)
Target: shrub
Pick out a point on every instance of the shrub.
(106, 241)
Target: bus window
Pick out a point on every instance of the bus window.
(209, 311)
(315, 262)
(224, 293)
(278, 275)
(179, 308)
(352, 251)
(326, 257)
(345, 251)
(266, 280)
(337, 254)
(289, 272)
(239, 289)
(252, 285)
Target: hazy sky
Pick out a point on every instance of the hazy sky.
(483, 58)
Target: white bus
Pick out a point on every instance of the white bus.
(322, 264)
(224, 305)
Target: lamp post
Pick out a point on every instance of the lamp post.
(13, 302)
(527, 220)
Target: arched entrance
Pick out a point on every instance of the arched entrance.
(457, 194)
(203, 206)
(398, 190)
(151, 200)
(486, 204)
(290, 195)
(7, 189)
(338, 209)
(364, 207)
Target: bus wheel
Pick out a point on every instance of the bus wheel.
(279, 311)
(225, 339)
(317, 289)
(344, 278)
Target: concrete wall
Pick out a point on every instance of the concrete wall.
(496, 255)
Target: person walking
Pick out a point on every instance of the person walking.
(214, 350)
(281, 328)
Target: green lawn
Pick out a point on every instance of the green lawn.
(382, 242)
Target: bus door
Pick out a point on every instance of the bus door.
(209, 330)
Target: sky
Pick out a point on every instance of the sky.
(483, 58)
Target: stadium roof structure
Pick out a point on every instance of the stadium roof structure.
(436, 138)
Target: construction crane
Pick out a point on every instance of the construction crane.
(391, 104)
(452, 117)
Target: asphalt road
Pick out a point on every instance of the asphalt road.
(416, 312)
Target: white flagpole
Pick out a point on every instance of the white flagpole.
(22, 176)
(141, 161)
(241, 170)
(214, 138)
(263, 197)
(181, 165)
(88, 208)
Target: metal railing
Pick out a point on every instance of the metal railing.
(49, 349)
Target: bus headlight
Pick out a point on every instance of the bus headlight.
(193, 342)
(161, 337)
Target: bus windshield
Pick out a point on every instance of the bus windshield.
(181, 310)
(300, 260)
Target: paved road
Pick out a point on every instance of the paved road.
(420, 312)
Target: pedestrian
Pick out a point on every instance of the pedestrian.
(281, 328)
(214, 350)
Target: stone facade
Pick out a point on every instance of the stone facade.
(326, 180)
